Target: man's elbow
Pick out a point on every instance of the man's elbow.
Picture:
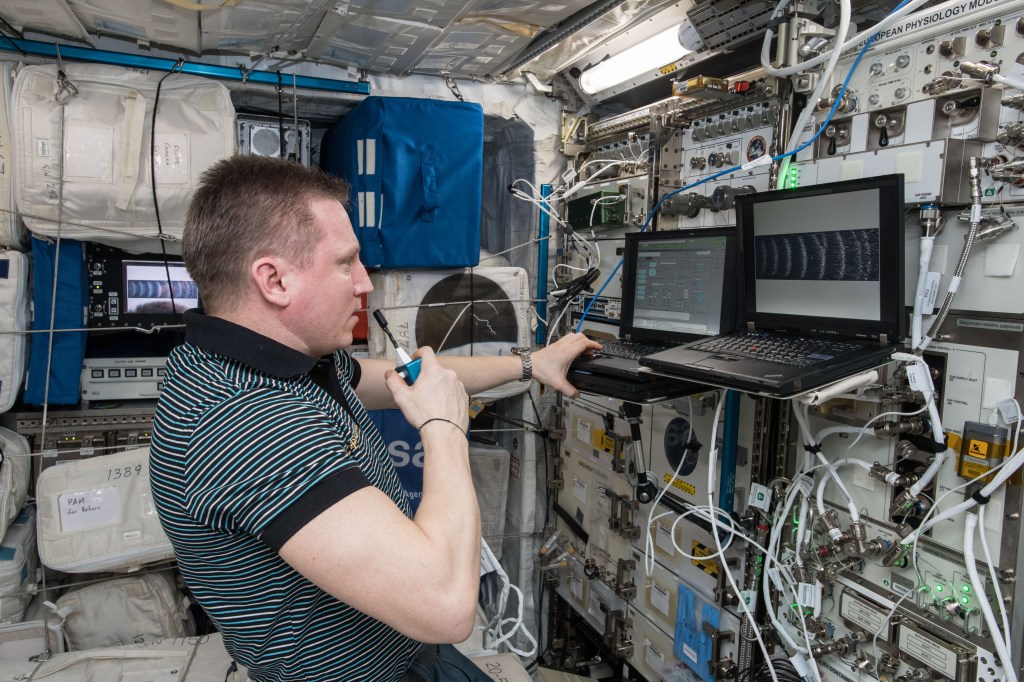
(453, 621)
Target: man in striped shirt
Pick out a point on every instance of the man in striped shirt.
(285, 512)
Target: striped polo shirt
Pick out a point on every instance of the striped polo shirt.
(251, 440)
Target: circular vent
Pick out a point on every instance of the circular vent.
(265, 142)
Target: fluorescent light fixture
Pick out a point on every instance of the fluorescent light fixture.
(657, 51)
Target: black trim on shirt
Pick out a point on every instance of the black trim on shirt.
(240, 343)
(314, 502)
(251, 348)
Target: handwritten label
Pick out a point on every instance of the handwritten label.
(89, 509)
(171, 159)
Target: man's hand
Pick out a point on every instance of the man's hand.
(551, 363)
(437, 392)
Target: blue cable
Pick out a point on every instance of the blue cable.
(779, 157)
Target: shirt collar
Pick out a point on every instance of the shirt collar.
(244, 345)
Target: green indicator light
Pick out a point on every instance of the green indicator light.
(966, 588)
(939, 588)
(965, 600)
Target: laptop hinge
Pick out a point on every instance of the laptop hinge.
(751, 327)
(883, 337)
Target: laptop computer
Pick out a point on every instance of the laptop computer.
(822, 294)
(677, 286)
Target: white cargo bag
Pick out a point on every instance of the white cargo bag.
(97, 514)
(12, 230)
(14, 302)
(18, 563)
(189, 659)
(98, 142)
(470, 311)
(489, 465)
(21, 640)
(130, 610)
(15, 471)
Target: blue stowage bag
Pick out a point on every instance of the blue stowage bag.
(416, 170)
(68, 350)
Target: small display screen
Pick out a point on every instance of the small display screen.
(158, 288)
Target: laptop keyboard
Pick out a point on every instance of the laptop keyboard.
(794, 351)
(630, 350)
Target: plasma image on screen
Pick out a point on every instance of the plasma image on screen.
(851, 256)
(148, 289)
(819, 256)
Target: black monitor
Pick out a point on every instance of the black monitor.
(129, 290)
(826, 258)
(677, 285)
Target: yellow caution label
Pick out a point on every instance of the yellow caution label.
(607, 443)
(687, 488)
(709, 566)
(977, 448)
(969, 467)
(954, 441)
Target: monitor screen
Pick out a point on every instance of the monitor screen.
(676, 283)
(818, 255)
(832, 252)
(151, 286)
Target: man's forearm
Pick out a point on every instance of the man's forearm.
(481, 373)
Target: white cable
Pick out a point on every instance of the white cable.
(773, 540)
(604, 201)
(867, 426)
(1003, 471)
(594, 249)
(825, 479)
(649, 544)
(800, 412)
(1011, 81)
(499, 622)
(612, 163)
(927, 244)
(970, 523)
(938, 436)
(993, 577)
(712, 456)
(554, 325)
(824, 79)
(878, 28)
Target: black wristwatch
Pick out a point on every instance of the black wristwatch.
(524, 354)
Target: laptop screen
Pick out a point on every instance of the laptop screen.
(826, 258)
(677, 284)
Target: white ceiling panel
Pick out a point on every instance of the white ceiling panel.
(45, 16)
(158, 23)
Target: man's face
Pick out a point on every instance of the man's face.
(328, 290)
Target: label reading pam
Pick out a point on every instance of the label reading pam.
(866, 616)
(929, 651)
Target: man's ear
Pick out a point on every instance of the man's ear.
(270, 275)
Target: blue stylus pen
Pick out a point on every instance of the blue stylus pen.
(407, 368)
